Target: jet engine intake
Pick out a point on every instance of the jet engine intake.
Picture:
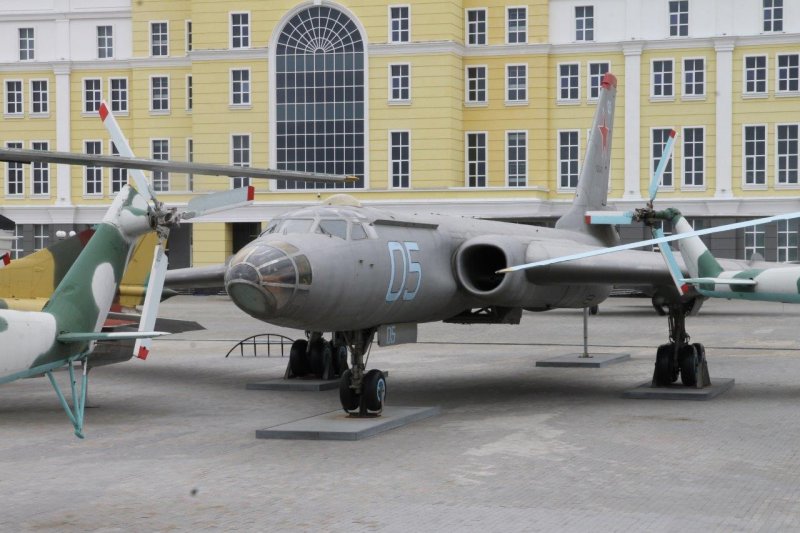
(477, 261)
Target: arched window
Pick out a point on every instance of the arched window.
(319, 67)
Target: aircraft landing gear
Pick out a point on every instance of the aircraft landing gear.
(679, 357)
(361, 394)
(317, 356)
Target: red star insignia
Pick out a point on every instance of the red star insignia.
(604, 133)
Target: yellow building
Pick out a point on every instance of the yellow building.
(470, 108)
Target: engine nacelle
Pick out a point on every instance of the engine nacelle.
(476, 263)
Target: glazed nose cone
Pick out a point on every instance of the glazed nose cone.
(261, 280)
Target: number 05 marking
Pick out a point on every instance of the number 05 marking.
(408, 267)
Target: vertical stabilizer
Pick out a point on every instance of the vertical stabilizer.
(592, 191)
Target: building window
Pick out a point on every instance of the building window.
(755, 155)
(788, 73)
(240, 86)
(476, 26)
(159, 39)
(26, 44)
(190, 158)
(40, 179)
(596, 73)
(17, 250)
(476, 85)
(787, 240)
(15, 177)
(159, 149)
(517, 83)
(40, 98)
(569, 81)
(105, 42)
(119, 94)
(678, 18)
(240, 157)
(320, 67)
(662, 78)
(13, 97)
(517, 158)
(753, 241)
(693, 157)
(660, 136)
(568, 159)
(399, 83)
(773, 15)
(517, 25)
(694, 77)
(476, 160)
(398, 24)
(787, 154)
(188, 36)
(755, 74)
(159, 93)
(400, 164)
(93, 176)
(189, 93)
(240, 30)
(584, 23)
(92, 95)
(119, 176)
(40, 237)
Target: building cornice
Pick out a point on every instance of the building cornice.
(77, 14)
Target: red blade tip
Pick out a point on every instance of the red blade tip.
(6, 258)
(143, 352)
(609, 80)
(103, 111)
(251, 193)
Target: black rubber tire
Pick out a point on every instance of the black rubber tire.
(594, 309)
(340, 359)
(319, 354)
(374, 390)
(350, 399)
(662, 375)
(298, 361)
(689, 365)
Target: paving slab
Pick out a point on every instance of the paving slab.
(295, 384)
(578, 360)
(646, 391)
(336, 425)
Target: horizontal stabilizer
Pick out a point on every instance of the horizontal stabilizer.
(218, 201)
(112, 336)
(721, 281)
(609, 217)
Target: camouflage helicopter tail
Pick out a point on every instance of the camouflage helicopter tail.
(592, 190)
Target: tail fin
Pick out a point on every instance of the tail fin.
(592, 193)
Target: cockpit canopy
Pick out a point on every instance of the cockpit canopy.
(333, 222)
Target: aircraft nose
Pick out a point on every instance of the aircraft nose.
(261, 280)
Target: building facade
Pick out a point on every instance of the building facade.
(473, 108)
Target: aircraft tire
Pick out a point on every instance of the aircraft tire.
(690, 362)
(319, 356)
(374, 390)
(662, 376)
(340, 359)
(298, 361)
(350, 399)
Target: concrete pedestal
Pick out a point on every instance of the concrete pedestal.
(678, 392)
(295, 384)
(577, 360)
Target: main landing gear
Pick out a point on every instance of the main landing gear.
(361, 393)
(679, 356)
(317, 357)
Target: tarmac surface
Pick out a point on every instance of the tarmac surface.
(170, 442)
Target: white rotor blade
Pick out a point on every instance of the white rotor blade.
(124, 149)
(648, 242)
(151, 300)
(218, 201)
(609, 217)
(662, 165)
(669, 258)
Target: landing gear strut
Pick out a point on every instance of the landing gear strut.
(362, 394)
(679, 357)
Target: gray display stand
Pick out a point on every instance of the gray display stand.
(579, 360)
(646, 391)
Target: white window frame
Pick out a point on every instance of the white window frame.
(232, 158)
(189, 93)
(188, 36)
(40, 241)
(584, 19)
(20, 167)
(392, 161)
(21, 111)
(485, 100)
(778, 184)
(17, 249)
(242, 37)
(40, 167)
(86, 192)
(161, 111)
(755, 94)
(121, 172)
(678, 25)
(684, 85)
(151, 43)
(784, 235)
(787, 92)
(407, 19)
(30, 52)
(684, 158)
(653, 162)
(152, 156)
(755, 231)
(477, 34)
(508, 28)
(407, 77)
(755, 186)
(771, 21)
(560, 79)
(653, 95)
(560, 187)
(589, 97)
(485, 160)
(190, 159)
(125, 101)
(108, 38)
(85, 111)
(520, 101)
(45, 112)
(245, 95)
(525, 176)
